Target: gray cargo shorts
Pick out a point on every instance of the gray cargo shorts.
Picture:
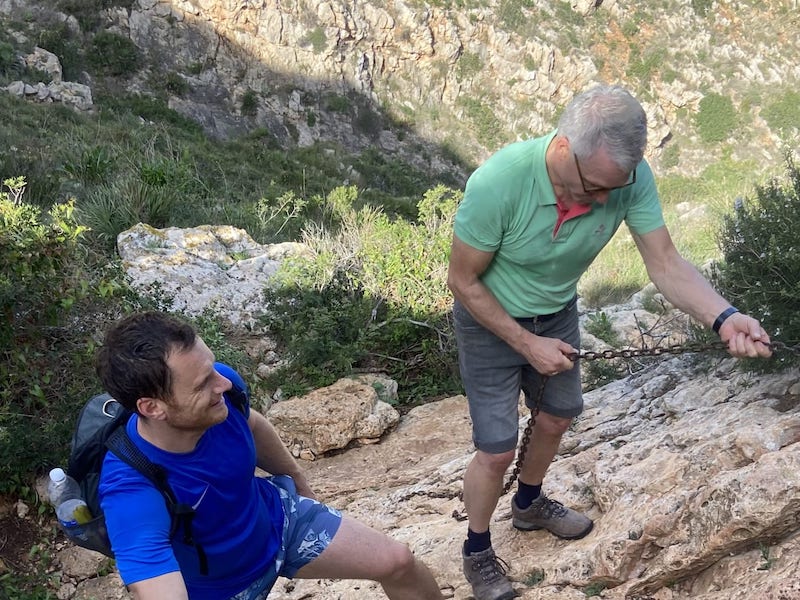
(493, 375)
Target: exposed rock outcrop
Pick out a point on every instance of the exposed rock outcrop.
(691, 471)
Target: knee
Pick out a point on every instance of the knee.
(496, 463)
(552, 425)
(400, 563)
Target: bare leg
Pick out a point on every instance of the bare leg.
(544, 444)
(483, 483)
(360, 552)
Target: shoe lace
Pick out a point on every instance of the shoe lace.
(490, 567)
(552, 508)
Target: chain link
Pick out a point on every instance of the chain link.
(674, 349)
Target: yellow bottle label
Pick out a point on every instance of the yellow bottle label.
(82, 514)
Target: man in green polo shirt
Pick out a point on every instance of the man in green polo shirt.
(533, 219)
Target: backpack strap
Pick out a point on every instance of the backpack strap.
(120, 443)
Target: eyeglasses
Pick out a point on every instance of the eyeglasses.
(595, 190)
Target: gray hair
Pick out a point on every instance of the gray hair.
(606, 116)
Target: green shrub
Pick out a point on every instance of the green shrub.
(488, 127)
(601, 327)
(511, 16)
(783, 114)
(40, 284)
(249, 103)
(469, 64)
(66, 45)
(8, 60)
(34, 250)
(175, 84)
(316, 38)
(701, 7)
(671, 156)
(150, 109)
(112, 208)
(716, 119)
(113, 54)
(337, 103)
(760, 268)
(92, 166)
(373, 297)
(641, 66)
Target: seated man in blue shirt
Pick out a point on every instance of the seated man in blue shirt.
(250, 530)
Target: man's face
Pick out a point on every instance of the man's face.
(595, 177)
(197, 389)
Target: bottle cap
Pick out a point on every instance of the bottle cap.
(57, 474)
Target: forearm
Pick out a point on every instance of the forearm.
(485, 308)
(169, 586)
(684, 287)
(272, 456)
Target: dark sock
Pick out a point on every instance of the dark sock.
(477, 542)
(527, 494)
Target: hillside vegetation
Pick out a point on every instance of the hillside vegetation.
(379, 222)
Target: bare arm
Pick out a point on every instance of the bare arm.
(546, 355)
(272, 455)
(169, 586)
(687, 289)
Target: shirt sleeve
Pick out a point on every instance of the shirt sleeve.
(138, 523)
(478, 221)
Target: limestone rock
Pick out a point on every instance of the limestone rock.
(331, 418)
(205, 266)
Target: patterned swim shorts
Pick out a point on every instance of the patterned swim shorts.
(308, 528)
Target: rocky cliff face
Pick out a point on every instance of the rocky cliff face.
(406, 74)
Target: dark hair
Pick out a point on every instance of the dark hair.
(132, 362)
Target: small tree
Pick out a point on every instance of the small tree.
(760, 270)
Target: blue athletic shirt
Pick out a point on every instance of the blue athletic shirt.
(238, 517)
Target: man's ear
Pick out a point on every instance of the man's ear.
(562, 145)
(151, 408)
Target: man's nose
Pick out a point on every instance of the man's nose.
(224, 383)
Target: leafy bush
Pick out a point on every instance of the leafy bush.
(760, 269)
(150, 109)
(783, 114)
(40, 284)
(373, 297)
(59, 39)
(113, 54)
(469, 64)
(8, 60)
(249, 103)
(317, 39)
(92, 166)
(33, 251)
(112, 208)
(716, 120)
(488, 127)
(701, 7)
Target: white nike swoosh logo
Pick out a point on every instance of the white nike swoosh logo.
(194, 506)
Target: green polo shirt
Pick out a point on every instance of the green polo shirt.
(509, 208)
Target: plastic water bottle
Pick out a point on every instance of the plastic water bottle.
(71, 510)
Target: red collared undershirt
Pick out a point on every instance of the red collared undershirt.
(566, 213)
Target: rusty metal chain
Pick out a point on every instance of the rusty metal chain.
(674, 349)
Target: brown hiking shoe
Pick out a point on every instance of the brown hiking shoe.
(548, 514)
(486, 573)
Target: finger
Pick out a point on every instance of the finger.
(754, 329)
(736, 345)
